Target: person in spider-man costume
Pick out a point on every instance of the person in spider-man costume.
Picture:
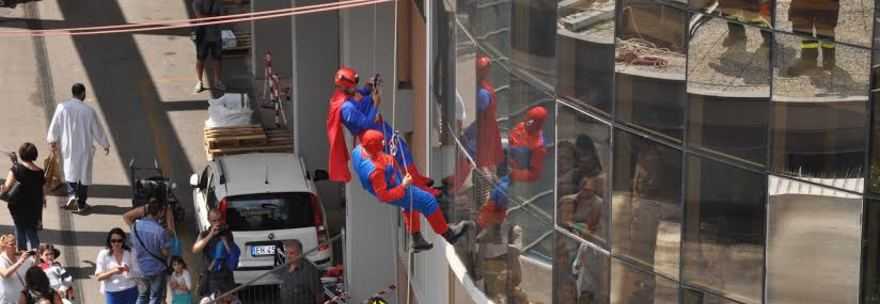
(357, 109)
(525, 160)
(481, 139)
(380, 175)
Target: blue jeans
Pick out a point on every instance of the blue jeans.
(128, 296)
(153, 289)
(80, 191)
(25, 234)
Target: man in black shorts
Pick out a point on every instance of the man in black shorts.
(208, 43)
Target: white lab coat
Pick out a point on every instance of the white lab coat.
(76, 129)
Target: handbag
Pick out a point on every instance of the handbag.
(12, 194)
(52, 173)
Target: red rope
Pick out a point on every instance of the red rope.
(185, 23)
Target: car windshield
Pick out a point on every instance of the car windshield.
(270, 211)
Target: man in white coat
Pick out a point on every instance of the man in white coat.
(76, 127)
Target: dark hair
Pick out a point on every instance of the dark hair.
(48, 247)
(154, 206)
(78, 90)
(296, 243)
(27, 152)
(177, 259)
(117, 231)
(36, 280)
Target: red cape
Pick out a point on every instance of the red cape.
(338, 158)
(489, 152)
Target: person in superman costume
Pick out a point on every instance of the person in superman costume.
(357, 109)
(380, 175)
(525, 160)
(482, 139)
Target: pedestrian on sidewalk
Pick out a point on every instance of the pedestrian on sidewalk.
(209, 43)
(116, 269)
(59, 279)
(37, 288)
(221, 254)
(151, 247)
(13, 267)
(75, 126)
(27, 207)
(301, 280)
(180, 282)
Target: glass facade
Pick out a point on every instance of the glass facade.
(660, 151)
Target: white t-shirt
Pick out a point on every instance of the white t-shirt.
(117, 282)
(11, 287)
(182, 279)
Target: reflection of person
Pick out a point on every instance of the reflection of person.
(587, 276)
(75, 125)
(754, 12)
(582, 212)
(566, 159)
(526, 152)
(500, 266)
(482, 139)
(804, 16)
(380, 175)
(645, 202)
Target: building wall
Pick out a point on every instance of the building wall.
(688, 161)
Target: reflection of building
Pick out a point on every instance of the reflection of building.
(715, 178)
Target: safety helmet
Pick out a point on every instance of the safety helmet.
(373, 141)
(483, 64)
(346, 78)
(535, 118)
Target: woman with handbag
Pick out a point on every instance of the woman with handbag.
(26, 200)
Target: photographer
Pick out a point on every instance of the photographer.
(13, 266)
(221, 255)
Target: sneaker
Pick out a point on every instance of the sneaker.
(199, 87)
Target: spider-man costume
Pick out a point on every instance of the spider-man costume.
(380, 175)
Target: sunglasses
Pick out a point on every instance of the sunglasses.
(117, 241)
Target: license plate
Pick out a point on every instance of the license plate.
(263, 250)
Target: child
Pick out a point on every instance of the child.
(180, 282)
(59, 279)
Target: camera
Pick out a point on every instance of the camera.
(31, 252)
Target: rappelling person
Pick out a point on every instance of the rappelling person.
(380, 175)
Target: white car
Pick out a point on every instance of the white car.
(269, 197)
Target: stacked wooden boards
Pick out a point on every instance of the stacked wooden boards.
(246, 139)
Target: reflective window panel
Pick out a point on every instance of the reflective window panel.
(633, 284)
(813, 243)
(699, 296)
(580, 272)
(848, 21)
(874, 164)
(533, 40)
(729, 89)
(871, 253)
(585, 52)
(754, 13)
(819, 117)
(583, 152)
(650, 64)
(646, 203)
(724, 230)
